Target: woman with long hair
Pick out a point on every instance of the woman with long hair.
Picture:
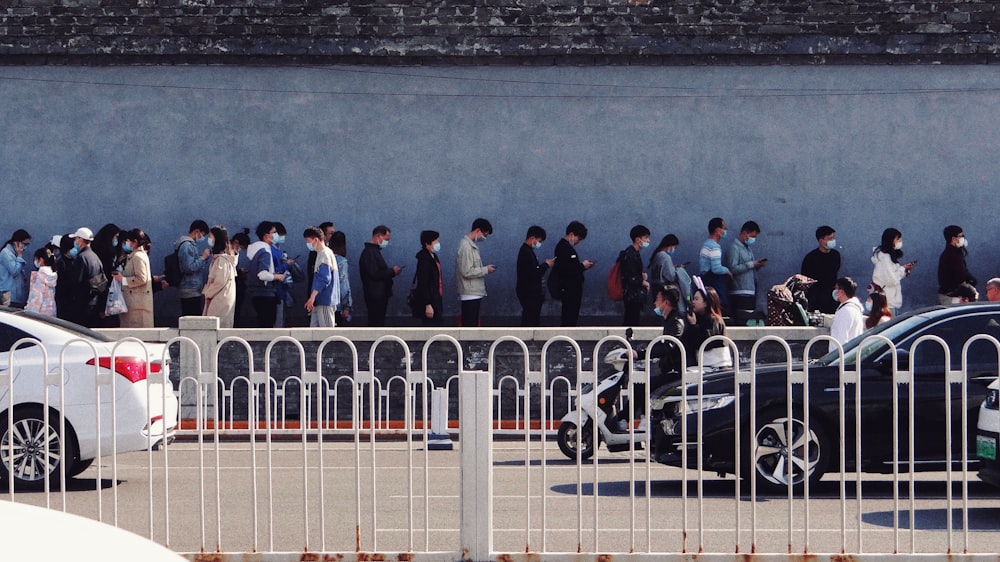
(888, 272)
(136, 279)
(878, 309)
(220, 289)
(704, 320)
(338, 243)
(661, 267)
(15, 270)
(42, 294)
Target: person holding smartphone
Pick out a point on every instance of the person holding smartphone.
(743, 265)
(888, 272)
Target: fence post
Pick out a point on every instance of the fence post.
(439, 439)
(476, 458)
(204, 331)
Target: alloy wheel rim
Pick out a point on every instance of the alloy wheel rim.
(778, 460)
(30, 461)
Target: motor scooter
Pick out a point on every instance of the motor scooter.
(611, 422)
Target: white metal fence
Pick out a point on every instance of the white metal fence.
(245, 479)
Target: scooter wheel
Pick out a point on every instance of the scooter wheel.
(567, 440)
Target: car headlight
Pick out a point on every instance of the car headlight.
(691, 405)
(992, 400)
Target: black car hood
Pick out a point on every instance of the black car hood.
(722, 381)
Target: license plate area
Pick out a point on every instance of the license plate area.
(986, 447)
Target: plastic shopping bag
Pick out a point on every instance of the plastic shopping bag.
(116, 300)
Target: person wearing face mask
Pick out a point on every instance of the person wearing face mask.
(635, 285)
(952, 268)
(376, 275)
(88, 281)
(325, 289)
(743, 265)
(888, 272)
(848, 321)
(712, 272)
(193, 265)
(42, 293)
(470, 273)
(666, 306)
(662, 271)
(428, 288)
(823, 265)
(15, 271)
(220, 289)
(529, 288)
(64, 281)
(963, 293)
(704, 320)
(136, 279)
(568, 271)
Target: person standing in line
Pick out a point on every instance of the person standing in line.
(376, 275)
(137, 280)
(529, 288)
(325, 289)
(42, 292)
(64, 274)
(328, 230)
(88, 281)
(569, 271)
(261, 277)
(220, 290)
(15, 273)
(240, 241)
(823, 265)
(848, 321)
(952, 268)
(470, 273)
(662, 271)
(338, 244)
(712, 271)
(634, 282)
(193, 267)
(888, 272)
(429, 286)
(743, 265)
(993, 289)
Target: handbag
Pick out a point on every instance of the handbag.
(413, 300)
(116, 300)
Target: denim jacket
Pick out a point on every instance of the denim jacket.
(15, 274)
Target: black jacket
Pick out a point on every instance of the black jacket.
(666, 351)
(529, 275)
(631, 271)
(568, 267)
(428, 280)
(376, 276)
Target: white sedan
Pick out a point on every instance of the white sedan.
(106, 410)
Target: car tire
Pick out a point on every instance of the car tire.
(78, 467)
(567, 440)
(30, 467)
(772, 456)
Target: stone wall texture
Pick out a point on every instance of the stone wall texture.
(502, 31)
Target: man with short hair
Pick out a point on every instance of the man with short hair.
(193, 266)
(823, 265)
(848, 321)
(262, 280)
(952, 267)
(713, 273)
(327, 228)
(743, 266)
(376, 275)
(635, 285)
(325, 288)
(992, 290)
(88, 281)
(529, 288)
(569, 271)
(470, 273)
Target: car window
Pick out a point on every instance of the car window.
(9, 336)
(955, 332)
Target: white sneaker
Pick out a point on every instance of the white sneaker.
(622, 425)
(643, 425)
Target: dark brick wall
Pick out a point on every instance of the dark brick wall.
(507, 31)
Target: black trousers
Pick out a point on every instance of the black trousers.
(570, 314)
(377, 307)
(470, 313)
(531, 312)
(632, 312)
(267, 311)
(192, 306)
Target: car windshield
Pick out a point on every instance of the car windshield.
(895, 330)
(74, 329)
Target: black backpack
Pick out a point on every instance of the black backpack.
(172, 268)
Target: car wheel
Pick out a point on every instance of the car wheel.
(567, 440)
(776, 460)
(78, 467)
(23, 445)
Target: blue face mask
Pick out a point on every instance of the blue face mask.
(279, 239)
(831, 244)
(383, 244)
(114, 243)
(310, 247)
(834, 294)
(76, 245)
(671, 251)
(724, 233)
(537, 245)
(644, 244)
(74, 251)
(868, 306)
(751, 241)
(658, 312)
(436, 247)
(126, 248)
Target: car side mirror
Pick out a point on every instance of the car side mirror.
(884, 363)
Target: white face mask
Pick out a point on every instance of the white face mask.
(898, 245)
(963, 242)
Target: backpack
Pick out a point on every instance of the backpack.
(555, 285)
(172, 269)
(615, 289)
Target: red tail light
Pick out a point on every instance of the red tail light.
(132, 368)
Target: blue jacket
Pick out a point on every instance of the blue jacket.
(193, 268)
(326, 281)
(15, 273)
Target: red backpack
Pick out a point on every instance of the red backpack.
(615, 288)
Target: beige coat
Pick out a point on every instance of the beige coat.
(137, 287)
(220, 290)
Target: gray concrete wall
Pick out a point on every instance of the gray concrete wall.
(857, 147)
